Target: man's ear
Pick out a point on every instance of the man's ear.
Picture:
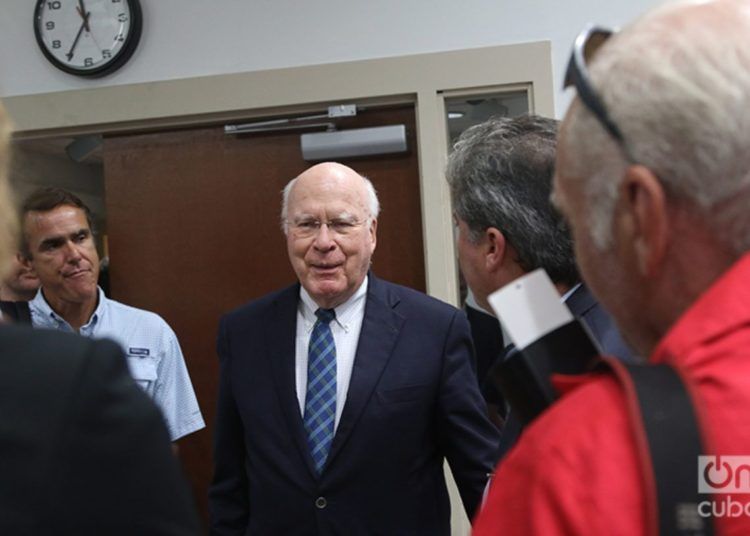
(374, 233)
(645, 218)
(496, 248)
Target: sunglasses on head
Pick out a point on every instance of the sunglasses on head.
(585, 47)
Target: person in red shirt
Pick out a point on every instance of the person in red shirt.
(653, 175)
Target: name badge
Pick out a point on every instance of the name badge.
(142, 352)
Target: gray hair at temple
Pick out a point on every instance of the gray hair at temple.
(500, 175)
(8, 217)
(373, 205)
(679, 89)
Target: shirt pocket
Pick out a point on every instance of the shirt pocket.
(143, 371)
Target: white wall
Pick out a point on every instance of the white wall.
(188, 38)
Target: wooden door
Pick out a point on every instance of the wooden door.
(193, 232)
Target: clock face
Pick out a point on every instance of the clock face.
(87, 37)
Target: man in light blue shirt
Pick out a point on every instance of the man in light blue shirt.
(58, 244)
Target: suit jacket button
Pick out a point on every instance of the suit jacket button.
(321, 502)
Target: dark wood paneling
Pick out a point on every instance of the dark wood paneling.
(193, 232)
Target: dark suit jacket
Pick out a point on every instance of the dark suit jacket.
(412, 401)
(82, 449)
(585, 308)
(16, 311)
(487, 337)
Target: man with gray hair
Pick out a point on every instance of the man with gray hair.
(500, 174)
(653, 176)
(341, 395)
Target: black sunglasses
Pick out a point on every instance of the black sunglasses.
(584, 48)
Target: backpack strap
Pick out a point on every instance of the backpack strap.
(668, 441)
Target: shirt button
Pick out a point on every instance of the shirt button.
(321, 502)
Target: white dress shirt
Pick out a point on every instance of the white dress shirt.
(345, 328)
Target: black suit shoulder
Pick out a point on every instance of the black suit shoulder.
(34, 356)
(17, 311)
(87, 451)
(585, 307)
(407, 300)
(261, 305)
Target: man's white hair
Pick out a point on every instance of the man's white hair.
(677, 83)
(373, 205)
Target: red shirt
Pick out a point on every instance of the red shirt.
(576, 471)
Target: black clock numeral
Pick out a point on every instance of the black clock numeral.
(50, 25)
(53, 5)
(56, 44)
(120, 37)
(88, 62)
(106, 54)
(122, 17)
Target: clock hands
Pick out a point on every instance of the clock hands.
(84, 25)
(81, 8)
(85, 16)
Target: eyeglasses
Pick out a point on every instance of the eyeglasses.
(585, 47)
(306, 228)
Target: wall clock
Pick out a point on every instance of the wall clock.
(88, 37)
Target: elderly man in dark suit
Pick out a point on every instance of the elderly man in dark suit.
(341, 395)
(83, 451)
(500, 173)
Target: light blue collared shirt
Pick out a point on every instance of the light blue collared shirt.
(153, 355)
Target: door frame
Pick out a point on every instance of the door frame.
(423, 79)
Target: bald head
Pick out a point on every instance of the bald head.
(328, 174)
(329, 216)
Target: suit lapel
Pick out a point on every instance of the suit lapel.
(281, 333)
(380, 328)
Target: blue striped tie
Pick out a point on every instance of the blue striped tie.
(320, 401)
